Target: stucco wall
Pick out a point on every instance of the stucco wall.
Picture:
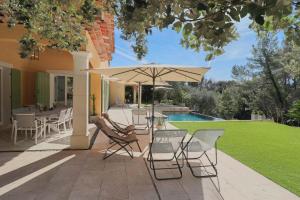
(117, 93)
(9, 53)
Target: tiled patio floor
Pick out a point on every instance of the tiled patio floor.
(84, 175)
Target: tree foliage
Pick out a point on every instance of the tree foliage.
(203, 101)
(271, 76)
(294, 112)
(51, 23)
(204, 25)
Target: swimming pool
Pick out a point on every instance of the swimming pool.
(188, 117)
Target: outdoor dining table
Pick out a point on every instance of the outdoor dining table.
(40, 115)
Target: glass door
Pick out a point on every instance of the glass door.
(60, 90)
(63, 90)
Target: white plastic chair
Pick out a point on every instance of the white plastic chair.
(164, 148)
(27, 122)
(57, 123)
(140, 119)
(202, 141)
(68, 118)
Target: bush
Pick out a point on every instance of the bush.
(294, 113)
(203, 101)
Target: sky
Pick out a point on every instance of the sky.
(164, 48)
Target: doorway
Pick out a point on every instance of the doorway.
(63, 90)
(129, 94)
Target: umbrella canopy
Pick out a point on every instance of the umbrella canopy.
(145, 83)
(155, 73)
(158, 72)
(163, 87)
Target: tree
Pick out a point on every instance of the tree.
(204, 25)
(272, 77)
(204, 101)
(159, 94)
(229, 103)
(294, 112)
(51, 23)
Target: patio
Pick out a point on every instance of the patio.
(83, 174)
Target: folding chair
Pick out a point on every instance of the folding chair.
(140, 119)
(163, 148)
(118, 126)
(197, 147)
(123, 142)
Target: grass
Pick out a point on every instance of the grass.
(271, 149)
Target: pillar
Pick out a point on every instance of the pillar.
(80, 138)
(134, 94)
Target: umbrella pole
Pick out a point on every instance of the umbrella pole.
(152, 127)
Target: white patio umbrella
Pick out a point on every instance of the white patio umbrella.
(155, 73)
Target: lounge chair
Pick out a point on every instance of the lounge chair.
(164, 148)
(118, 126)
(197, 147)
(123, 142)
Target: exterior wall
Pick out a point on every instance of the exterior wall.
(100, 43)
(117, 93)
(51, 59)
(9, 53)
(95, 61)
(95, 89)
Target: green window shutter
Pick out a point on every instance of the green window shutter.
(42, 88)
(15, 88)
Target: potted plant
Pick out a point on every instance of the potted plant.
(93, 98)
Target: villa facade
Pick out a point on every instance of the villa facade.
(55, 77)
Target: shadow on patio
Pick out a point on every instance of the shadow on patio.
(84, 175)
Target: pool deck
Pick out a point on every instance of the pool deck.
(237, 181)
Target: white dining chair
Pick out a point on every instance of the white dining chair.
(24, 123)
(68, 118)
(58, 122)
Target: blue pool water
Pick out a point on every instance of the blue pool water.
(187, 117)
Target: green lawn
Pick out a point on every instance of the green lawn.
(269, 148)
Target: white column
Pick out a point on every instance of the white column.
(134, 94)
(139, 95)
(80, 138)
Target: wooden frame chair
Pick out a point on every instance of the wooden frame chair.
(121, 128)
(123, 142)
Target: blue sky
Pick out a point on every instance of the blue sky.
(164, 48)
